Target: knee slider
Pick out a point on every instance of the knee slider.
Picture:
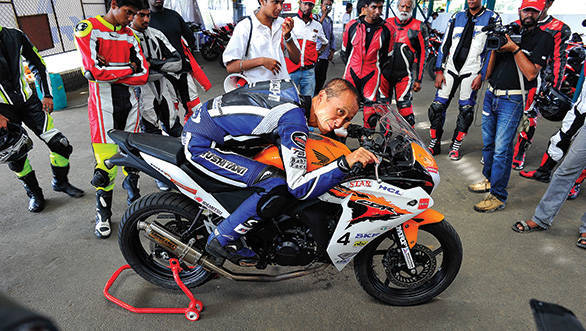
(404, 104)
(436, 110)
(467, 115)
(17, 165)
(60, 145)
(410, 119)
(101, 178)
(273, 202)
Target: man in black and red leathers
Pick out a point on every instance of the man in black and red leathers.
(409, 49)
(367, 44)
(561, 33)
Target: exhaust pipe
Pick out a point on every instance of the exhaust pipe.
(158, 234)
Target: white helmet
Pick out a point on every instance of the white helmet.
(234, 81)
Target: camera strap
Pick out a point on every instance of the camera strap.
(522, 82)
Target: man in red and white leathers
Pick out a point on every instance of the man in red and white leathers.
(409, 50)
(307, 31)
(367, 44)
(114, 65)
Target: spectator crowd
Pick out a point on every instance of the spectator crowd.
(143, 77)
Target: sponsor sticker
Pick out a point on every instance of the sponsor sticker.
(360, 183)
(389, 189)
(224, 164)
(299, 139)
(360, 243)
(423, 203)
(366, 235)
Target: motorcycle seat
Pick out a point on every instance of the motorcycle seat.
(166, 148)
(170, 149)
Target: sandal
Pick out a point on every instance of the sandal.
(581, 241)
(526, 228)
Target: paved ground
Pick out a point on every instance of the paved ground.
(53, 264)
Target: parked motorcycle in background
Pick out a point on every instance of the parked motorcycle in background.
(217, 40)
(434, 43)
(404, 252)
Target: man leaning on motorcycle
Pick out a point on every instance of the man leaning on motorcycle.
(273, 111)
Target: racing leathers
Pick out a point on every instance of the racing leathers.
(409, 49)
(158, 101)
(560, 142)
(556, 65)
(267, 111)
(114, 65)
(366, 48)
(18, 104)
(461, 58)
(172, 25)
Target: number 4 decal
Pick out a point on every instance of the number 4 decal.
(345, 239)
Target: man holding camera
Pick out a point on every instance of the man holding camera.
(512, 71)
(462, 61)
(561, 34)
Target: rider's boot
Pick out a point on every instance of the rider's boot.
(102, 228)
(60, 182)
(435, 144)
(130, 184)
(544, 172)
(229, 245)
(456, 148)
(36, 199)
(577, 188)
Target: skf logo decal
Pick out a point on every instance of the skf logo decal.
(360, 243)
(423, 203)
(366, 235)
(83, 28)
(299, 138)
(360, 183)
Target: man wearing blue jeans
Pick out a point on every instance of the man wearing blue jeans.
(308, 32)
(503, 102)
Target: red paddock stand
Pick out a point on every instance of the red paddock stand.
(191, 312)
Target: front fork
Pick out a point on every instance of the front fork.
(407, 233)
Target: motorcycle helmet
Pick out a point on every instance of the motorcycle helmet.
(552, 104)
(14, 143)
(234, 81)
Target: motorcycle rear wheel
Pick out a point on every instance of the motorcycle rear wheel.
(151, 261)
(210, 51)
(430, 66)
(377, 283)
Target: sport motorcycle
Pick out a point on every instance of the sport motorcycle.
(379, 217)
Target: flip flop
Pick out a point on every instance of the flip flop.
(526, 228)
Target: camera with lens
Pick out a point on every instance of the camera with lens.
(496, 38)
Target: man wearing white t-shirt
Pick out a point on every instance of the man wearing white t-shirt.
(257, 50)
(347, 15)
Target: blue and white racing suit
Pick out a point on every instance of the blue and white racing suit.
(271, 111)
(461, 57)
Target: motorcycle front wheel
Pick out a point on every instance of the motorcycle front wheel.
(179, 215)
(381, 271)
